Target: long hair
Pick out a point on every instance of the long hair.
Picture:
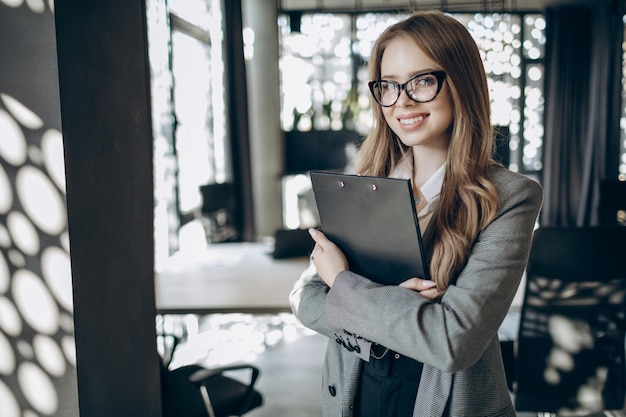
(468, 200)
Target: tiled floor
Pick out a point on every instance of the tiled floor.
(289, 356)
(291, 378)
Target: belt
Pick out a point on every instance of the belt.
(385, 362)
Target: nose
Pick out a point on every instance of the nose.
(404, 98)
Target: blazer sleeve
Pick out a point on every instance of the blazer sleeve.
(452, 334)
(307, 300)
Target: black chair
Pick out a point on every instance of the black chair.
(196, 391)
(218, 212)
(571, 343)
(292, 243)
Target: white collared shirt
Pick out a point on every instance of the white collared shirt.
(430, 190)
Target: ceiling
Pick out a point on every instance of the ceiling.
(446, 5)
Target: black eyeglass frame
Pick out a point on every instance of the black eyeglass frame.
(439, 75)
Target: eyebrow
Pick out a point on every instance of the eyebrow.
(411, 74)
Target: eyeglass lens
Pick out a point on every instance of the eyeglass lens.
(421, 88)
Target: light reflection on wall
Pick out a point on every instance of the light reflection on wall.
(570, 337)
(571, 345)
(36, 325)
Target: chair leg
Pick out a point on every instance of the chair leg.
(207, 400)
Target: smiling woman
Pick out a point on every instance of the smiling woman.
(384, 356)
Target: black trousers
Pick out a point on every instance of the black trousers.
(388, 386)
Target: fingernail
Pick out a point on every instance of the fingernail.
(428, 284)
(312, 231)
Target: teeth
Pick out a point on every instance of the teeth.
(412, 120)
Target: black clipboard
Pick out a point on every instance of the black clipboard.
(374, 222)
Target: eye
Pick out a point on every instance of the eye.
(388, 86)
(424, 81)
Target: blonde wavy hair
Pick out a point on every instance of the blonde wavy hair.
(468, 200)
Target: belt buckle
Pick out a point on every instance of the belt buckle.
(378, 357)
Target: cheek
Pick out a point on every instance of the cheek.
(392, 122)
(387, 115)
(449, 103)
(446, 110)
(448, 115)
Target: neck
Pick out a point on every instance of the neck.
(426, 161)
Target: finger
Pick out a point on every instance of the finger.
(315, 234)
(431, 294)
(411, 284)
(418, 284)
(318, 236)
(315, 251)
(426, 283)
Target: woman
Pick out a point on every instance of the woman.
(427, 348)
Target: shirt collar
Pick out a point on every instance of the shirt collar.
(431, 188)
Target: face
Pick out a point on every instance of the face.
(416, 124)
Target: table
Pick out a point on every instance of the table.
(227, 278)
(242, 278)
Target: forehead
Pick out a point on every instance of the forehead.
(403, 57)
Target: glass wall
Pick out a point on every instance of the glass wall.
(324, 73)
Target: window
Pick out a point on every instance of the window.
(188, 107)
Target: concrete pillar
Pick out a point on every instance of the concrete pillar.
(266, 139)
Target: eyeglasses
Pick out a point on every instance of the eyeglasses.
(422, 88)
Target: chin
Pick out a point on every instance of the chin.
(412, 141)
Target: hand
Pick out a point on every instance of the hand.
(426, 288)
(329, 260)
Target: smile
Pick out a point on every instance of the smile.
(412, 120)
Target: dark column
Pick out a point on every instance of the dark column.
(105, 113)
(237, 125)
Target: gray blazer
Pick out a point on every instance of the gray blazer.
(456, 339)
